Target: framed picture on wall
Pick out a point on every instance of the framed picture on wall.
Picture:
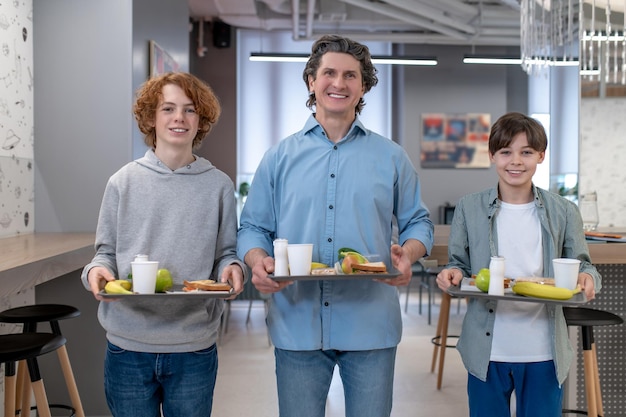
(160, 61)
(455, 140)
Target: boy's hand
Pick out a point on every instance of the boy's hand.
(449, 277)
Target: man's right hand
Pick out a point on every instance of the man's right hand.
(261, 265)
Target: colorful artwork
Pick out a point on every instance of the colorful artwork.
(160, 61)
(455, 140)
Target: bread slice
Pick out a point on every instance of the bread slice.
(206, 285)
(538, 280)
(323, 271)
(374, 267)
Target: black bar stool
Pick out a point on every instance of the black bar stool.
(586, 319)
(26, 347)
(29, 316)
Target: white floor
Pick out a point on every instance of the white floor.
(246, 383)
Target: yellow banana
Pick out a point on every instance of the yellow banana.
(119, 286)
(533, 289)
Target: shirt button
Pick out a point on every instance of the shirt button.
(330, 207)
(335, 147)
(488, 334)
(325, 303)
(491, 310)
(330, 239)
(332, 175)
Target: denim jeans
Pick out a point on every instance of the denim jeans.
(537, 390)
(138, 384)
(304, 378)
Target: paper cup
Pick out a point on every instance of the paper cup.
(300, 256)
(144, 276)
(566, 272)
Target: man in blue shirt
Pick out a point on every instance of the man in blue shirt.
(335, 184)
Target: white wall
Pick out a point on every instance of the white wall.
(16, 119)
(602, 156)
(83, 92)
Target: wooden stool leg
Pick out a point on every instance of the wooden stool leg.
(43, 408)
(444, 313)
(596, 374)
(9, 388)
(590, 375)
(25, 394)
(70, 381)
(22, 376)
(436, 339)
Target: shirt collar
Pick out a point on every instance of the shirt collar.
(356, 129)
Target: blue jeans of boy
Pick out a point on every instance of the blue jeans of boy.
(138, 384)
(304, 379)
(537, 390)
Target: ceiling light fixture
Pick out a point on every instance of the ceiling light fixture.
(513, 60)
(382, 59)
(492, 60)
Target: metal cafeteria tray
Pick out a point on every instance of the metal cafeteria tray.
(392, 273)
(577, 300)
(176, 291)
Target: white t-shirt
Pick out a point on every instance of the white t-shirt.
(521, 332)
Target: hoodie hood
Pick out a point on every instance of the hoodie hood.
(199, 166)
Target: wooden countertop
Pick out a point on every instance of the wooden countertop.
(601, 253)
(31, 259)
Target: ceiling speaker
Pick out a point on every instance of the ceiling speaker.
(221, 34)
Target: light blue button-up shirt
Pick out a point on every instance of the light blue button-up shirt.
(308, 189)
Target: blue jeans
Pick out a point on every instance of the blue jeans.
(138, 384)
(304, 378)
(537, 390)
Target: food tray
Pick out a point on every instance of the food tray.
(392, 273)
(176, 291)
(473, 292)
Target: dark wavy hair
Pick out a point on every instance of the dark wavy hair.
(509, 125)
(335, 43)
(205, 102)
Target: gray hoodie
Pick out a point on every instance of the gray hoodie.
(185, 219)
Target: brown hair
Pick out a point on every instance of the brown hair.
(205, 102)
(508, 126)
(335, 43)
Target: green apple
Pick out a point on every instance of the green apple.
(482, 280)
(164, 280)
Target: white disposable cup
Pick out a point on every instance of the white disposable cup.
(144, 276)
(300, 257)
(566, 272)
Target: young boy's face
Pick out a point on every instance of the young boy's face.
(176, 120)
(517, 163)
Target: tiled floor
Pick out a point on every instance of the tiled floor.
(246, 384)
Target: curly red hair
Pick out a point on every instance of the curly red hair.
(149, 95)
